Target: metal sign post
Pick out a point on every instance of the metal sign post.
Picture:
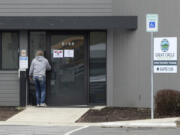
(152, 76)
(152, 26)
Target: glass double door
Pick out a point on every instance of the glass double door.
(67, 80)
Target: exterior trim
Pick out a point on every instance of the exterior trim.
(68, 23)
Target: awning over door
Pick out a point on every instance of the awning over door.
(68, 22)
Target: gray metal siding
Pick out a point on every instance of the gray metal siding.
(110, 85)
(131, 51)
(55, 7)
(9, 88)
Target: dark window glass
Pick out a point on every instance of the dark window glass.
(10, 50)
(98, 67)
(37, 42)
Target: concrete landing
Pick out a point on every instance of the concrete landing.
(48, 116)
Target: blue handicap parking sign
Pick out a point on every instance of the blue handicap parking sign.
(152, 24)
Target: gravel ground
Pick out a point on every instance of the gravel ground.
(110, 114)
(7, 112)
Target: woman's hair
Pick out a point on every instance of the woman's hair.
(39, 53)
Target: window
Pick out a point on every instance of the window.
(37, 42)
(9, 50)
(98, 67)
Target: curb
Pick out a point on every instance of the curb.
(140, 125)
(178, 123)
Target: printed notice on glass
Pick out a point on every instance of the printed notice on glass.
(57, 53)
(23, 62)
(69, 53)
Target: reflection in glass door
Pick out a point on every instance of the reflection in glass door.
(67, 79)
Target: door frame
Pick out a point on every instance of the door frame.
(87, 58)
(86, 55)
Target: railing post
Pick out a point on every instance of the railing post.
(23, 93)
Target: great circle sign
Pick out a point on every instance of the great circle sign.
(165, 55)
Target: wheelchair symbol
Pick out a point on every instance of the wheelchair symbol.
(152, 24)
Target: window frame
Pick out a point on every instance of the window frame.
(91, 103)
(12, 69)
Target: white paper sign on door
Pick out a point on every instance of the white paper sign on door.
(57, 53)
(69, 53)
(23, 62)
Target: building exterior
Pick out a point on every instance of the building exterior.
(99, 50)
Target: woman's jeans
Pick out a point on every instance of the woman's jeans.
(40, 85)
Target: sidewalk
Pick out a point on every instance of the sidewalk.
(47, 116)
(66, 116)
